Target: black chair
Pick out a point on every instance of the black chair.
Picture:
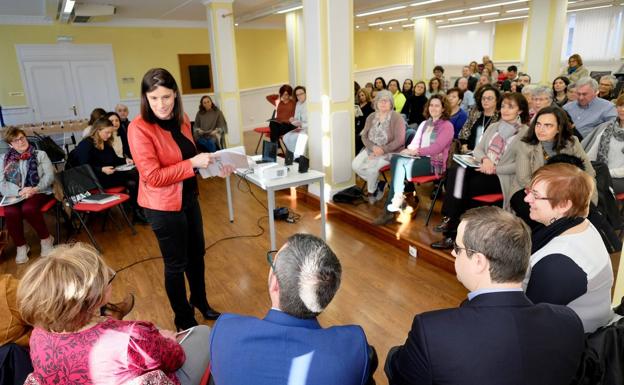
(76, 182)
(596, 75)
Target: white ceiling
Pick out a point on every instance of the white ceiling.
(252, 13)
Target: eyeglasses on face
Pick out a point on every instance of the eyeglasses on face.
(271, 258)
(488, 98)
(113, 275)
(535, 194)
(20, 139)
(457, 249)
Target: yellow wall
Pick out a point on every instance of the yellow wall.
(262, 57)
(375, 48)
(262, 54)
(508, 41)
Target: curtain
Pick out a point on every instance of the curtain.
(463, 44)
(596, 35)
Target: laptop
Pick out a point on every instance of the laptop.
(269, 152)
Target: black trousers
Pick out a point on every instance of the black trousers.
(180, 236)
(474, 183)
(129, 179)
(279, 128)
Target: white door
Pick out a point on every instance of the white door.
(51, 90)
(95, 85)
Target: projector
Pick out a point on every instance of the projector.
(270, 171)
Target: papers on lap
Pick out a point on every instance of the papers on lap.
(8, 200)
(466, 160)
(232, 156)
(125, 167)
(100, 198)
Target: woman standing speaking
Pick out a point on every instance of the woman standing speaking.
(165, 155)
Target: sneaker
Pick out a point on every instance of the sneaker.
(22, 254)
(46, 246)
(396, 204)
(385, 218)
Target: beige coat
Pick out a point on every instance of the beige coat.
(12, 328)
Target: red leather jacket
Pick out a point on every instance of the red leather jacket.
(159, 162)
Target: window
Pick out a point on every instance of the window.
(596, 35)
(463, 44)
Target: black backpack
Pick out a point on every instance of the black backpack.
(353, 195)
(48, 145)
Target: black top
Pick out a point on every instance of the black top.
(188, 150)
(122, 132)
(556, 279)
(87, 153)
(471, 141)
(414, 108)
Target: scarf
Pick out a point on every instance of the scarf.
(438, 164)
(612, 130)
(498, 143)
(571, 70)
(12, 171)
(378, 133)
(542, 236)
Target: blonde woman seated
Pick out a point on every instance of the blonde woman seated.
(72, 344)
(383, 134)
(27, 173)
(427, 154)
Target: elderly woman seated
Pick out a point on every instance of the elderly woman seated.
(26, 176)
(569, 264)
(383, 134)
(606, 87)
(209, 126)
(71, 343)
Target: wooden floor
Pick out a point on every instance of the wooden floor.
(382, 286)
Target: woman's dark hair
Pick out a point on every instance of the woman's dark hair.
(201, 104)
(356, 87)
(411, 90)
(160, 77)
(446, 109)
(417, 83)
(563, 79)
(285, 88)
(438, 68)
(112, 113)
(565, 133)
(434, 79)
(460, 93)
(482, 90)
(305, 92)
(96, 114)
(383, 83)
(522, 104)
(397, 84)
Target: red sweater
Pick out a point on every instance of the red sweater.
(285, 111)
(159, 162)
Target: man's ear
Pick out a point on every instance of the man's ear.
(480, 263)
(273, 284)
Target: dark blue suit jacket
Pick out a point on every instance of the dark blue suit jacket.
(496, 338)
(247, 350)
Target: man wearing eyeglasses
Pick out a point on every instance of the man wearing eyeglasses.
(497, 336)
(289, 346)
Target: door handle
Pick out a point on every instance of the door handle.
(73, 108)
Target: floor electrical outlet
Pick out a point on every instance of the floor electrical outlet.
(412, 251)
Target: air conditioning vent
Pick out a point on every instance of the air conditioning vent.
(81, 19)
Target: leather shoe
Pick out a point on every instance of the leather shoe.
(119, 310)
(209, 313)
(444, 244)
(385, 218)
(443, 226)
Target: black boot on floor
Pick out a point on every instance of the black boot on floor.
(444, 244)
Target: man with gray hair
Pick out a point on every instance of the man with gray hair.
(589, 111)
(497, 336)
(288, 346)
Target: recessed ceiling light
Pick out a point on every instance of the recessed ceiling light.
(381, 11)
(498, 4)
(290, 9)
(472, 16)
(407, 25)
(458, 25)
(69, 6)
(506, 18)
(517, 10)
(588, 8)
(387, 22)
(425, 2)
(438, 14)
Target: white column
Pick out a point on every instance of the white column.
(424, 48)
(545, 31)
(224, 65)
(296, 48)
(328, 30)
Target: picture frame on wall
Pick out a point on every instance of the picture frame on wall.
(195, 73)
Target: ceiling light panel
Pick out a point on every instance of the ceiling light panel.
(425, 2)
(375, 12)
(387, 22)
(517, 10)
(590, 8)
(506, 18)
(473, 16)
(438, 14)
(458, 25)
(498, 4)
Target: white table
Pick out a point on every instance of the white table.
(292, 179)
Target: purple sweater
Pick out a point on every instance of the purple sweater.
(438, 149)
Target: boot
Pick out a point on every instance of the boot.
(176, 292)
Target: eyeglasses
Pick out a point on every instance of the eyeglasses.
(457, 249)
(535, 194)
(488, 98)
(20, 139)
(114, 274)
(300, 94)
(271, 258)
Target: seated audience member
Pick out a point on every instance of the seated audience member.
(356, 87)
(496, 155)
(408, 88)
(434, 87)
(26, 173)
(486, 112)
(484, 80)
(369, 87)
(96, 114)
(589, 111)
(415, 105)
(571, 92)
(550, 134)
(438, 72)
(365, 108)
(471, 81)
(397, 95)
(606, 87)
(575, 69)
(97, 151)
(209, 126)
(560, 90)
(383, 134)
(542, 97)
(468, 100)
(289, 345)
(122, 112)
(516, 87)
(569, 264)
(284, 110)
(380, 84)
(474, 69)
(524, 79)
(492, 71)
(300, 120)
(606, 145)
(14, 329)
(512, 75)
(527, 92)
(498, 335)
(458, 117)
(427, 153)
(61, 296)
(116, 121)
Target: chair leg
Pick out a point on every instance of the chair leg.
(123, 212)
(84, 226)
(433, 201)
(258, 145)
